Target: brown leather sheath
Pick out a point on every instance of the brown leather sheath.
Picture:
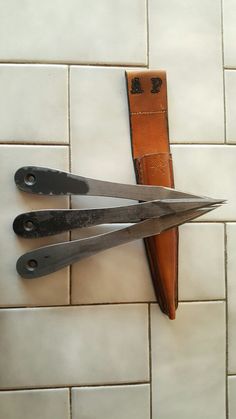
(147, 94)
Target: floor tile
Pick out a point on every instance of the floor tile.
(100, 131)
(74, 31)
(185, 40)
(230, 92)
(231, 272)
(201, 261)
(229, 16)
(207, 170)
(73, 346)
(188, 362)
(33, 103)
(15, 291)
(126, 402)
(41, 404)
(101, 149)
(117, 275)
(232, 398)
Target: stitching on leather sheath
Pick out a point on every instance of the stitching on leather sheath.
(147, 112)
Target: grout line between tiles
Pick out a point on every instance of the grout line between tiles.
(150, 356)
(147, 28)
(104, 304)
(74, 63)
(223, 75)
(70, 164)
(70, 403)
(199, 143)
(215, 300)
(132, 383)
(53, 143)
(36, 143)
(226, 319)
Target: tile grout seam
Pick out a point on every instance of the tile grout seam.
(70, 403)
(216, 300)
(73, 63)
(66, 144)
(70, 387)
(225, 226)
(70, 164)
(33, 143)
(150, 356)
(226, 320)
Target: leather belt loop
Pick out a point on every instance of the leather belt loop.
(147, 96)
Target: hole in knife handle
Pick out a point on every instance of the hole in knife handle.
(31, 265)
(29, 179)
(29, 225)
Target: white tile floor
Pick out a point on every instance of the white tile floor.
(188, 362)
(110, 346)
(201, 261)
(47, 404)
(126, 402)
(33, 104)
(185, 40)
(90, 341)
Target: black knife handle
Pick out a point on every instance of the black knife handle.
(42, 180)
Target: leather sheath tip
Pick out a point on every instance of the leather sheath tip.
(172, 316)
(172, 313)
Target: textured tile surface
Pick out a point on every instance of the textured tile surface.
(80, 345)
(101, 149)
(33, 103)
(41, 404)
(229, 16)
(75, 31)
(207, 170)
(231, 274)
(51, 289)
(126, 402)
(232, 399)
(230, 92)
(201, 261)
(188, 362)
(185, 40)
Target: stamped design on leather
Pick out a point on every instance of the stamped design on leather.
(156, 84)
(136, 87)
(158, 163)
(161, 166)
